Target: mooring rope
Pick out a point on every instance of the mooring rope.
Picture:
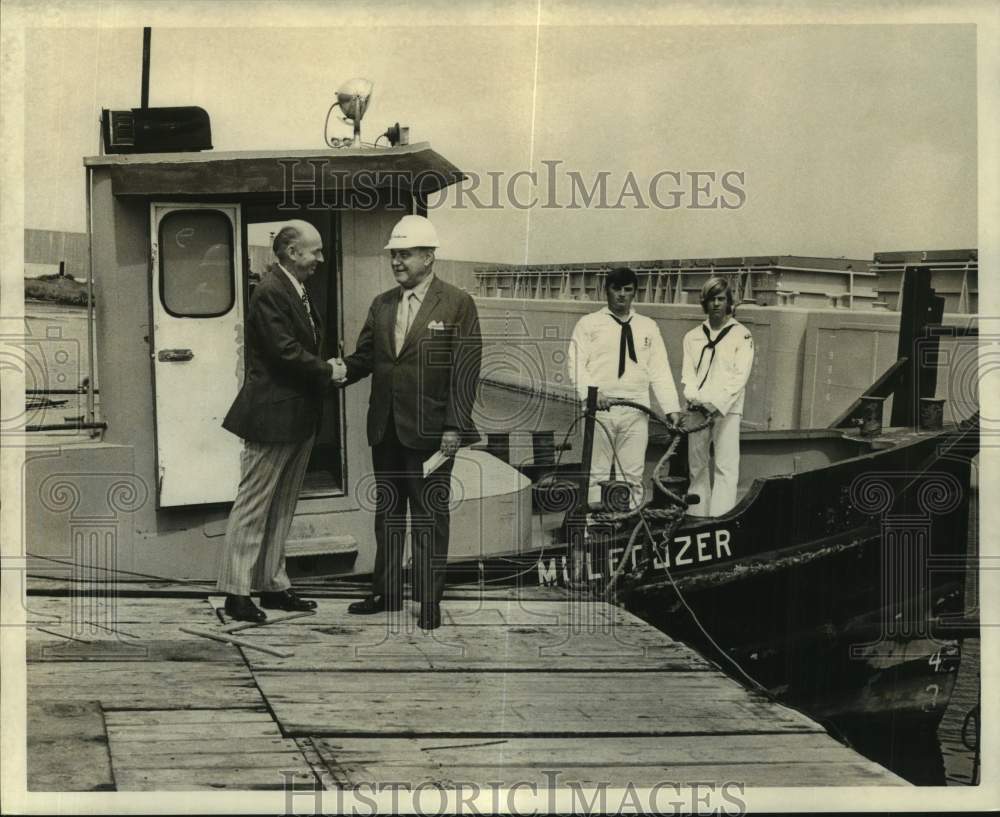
(674, 516)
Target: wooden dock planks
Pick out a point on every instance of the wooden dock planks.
(510, 689)
(93, 613)
(165, 750)
(501, 635)
(145, 684)
(166, 711)
(486, 610)
(67, 746)
(524, 703)
(129, 641)
(401, 646)
(755, 760)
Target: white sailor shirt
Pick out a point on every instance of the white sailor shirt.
(720, 379)
(593, 357)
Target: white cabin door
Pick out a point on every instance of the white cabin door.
(197, 342)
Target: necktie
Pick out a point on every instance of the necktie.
(404, 321)
(411, 302)
(627, 342)
(309, 313)
(710, 346)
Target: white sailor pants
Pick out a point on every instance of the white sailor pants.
(715, 482)
(628, 429)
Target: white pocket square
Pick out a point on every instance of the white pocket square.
(436, 326)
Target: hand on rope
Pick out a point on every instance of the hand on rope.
(672, 517)
(561, 491)
(686, 424)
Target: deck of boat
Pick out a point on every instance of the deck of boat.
(517, 685)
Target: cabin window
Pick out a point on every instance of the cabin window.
(196, 263)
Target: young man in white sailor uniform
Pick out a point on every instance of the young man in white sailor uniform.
(718, 356)
(622, 353)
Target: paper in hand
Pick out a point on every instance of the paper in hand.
(433, 462)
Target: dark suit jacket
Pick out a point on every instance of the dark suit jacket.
(282, 395)
(431, 385)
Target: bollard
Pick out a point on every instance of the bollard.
(931, 414)
(498, 444)
(616, 495)
(543, 445)
(870, 416)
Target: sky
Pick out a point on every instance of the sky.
(842, 140)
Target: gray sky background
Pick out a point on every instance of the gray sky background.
(853, 139)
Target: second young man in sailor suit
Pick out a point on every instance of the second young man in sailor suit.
(622, 353)
(718, 357)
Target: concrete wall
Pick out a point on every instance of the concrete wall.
(810, 364)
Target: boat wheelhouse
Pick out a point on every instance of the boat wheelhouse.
(177, 241)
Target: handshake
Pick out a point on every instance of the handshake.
(339, 377)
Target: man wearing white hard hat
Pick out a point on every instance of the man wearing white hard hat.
(421, 345)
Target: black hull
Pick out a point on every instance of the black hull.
(834, 588)
(784, 628)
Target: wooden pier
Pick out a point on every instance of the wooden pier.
(517, 685)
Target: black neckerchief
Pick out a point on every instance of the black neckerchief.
(710, 345)
(627, 342)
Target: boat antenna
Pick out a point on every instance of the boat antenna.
(147, 34)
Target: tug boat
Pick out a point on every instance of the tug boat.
(837, 582)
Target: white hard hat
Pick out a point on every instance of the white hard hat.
(412, 231)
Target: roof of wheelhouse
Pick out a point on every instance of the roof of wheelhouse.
(413, 167)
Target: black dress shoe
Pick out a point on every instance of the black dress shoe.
(430, 617)
(286, 600)
(373, 604)
(242, 608)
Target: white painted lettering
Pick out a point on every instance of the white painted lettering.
(591, 575)
(679, 559)
(666, 558)
(613, 559)
(702, 538)
(722, 541)
(547, 576)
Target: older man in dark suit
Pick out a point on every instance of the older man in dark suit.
(277, 413)
(421, 344)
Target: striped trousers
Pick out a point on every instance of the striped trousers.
(271, 477)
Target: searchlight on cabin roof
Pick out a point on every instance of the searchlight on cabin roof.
(186, 129)
(352, 99)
